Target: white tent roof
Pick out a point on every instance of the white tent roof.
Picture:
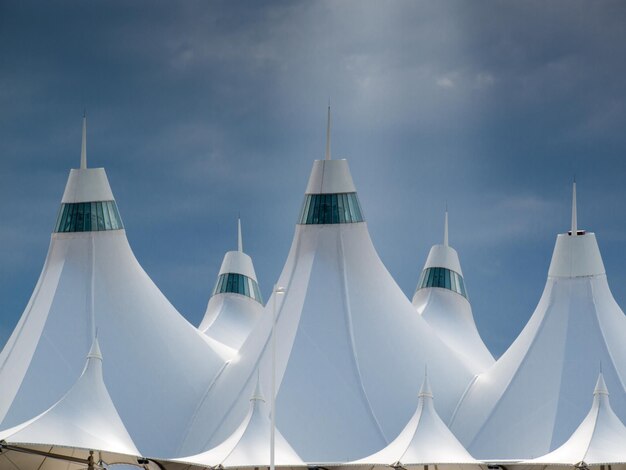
(85, 418)
(600, 438)
(230, 317)
(249, 444)
(448, 310)
(531, 400)
(425, 440)
(346, 337)
(92, 277)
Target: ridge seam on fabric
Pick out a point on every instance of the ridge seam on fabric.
(348, 317)
(524, 359)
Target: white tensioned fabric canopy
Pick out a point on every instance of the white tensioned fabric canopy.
(163, 365)
(424, 441)
(599, 440)
(236, 305)
(531, 400)
(248, 446)
(346, 337)
(441, 298)
(83, 422)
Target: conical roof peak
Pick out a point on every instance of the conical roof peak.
(85, 417)
(238, 262)
(443, 255)
(231, 315)
(87, 184)
(601, 388)
(424, 440)
(94, 352)
(247, 445)
(576, 253)
(599, 438)
(330, 177)
(257, 395)
(425, 390)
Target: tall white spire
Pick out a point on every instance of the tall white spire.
(328, 133)
(574, 211)
(239, 238)
(445, 228)
(83, 148)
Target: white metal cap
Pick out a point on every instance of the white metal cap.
(238, 262)
(442, 256)
(601, 388)
(87, 185)
(425, 390)
(94, 352)
(330, 177)
(576, 256)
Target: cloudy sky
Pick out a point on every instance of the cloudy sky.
(201, 110)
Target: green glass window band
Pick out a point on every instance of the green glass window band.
(238, 284)
(340, 208)
(444, 278)
(88, 217)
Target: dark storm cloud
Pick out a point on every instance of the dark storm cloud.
(202, 110)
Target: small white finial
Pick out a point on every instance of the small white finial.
(445, 228)
(257, 394)
(601, 388)
(239, 239)
(95, 352)
(328, 133)
(574, 211)
(83, 147)
(425, 390)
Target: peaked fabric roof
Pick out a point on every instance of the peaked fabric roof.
(442, 301)
(531, 400)
(345, 334)
(249, 444)
(85, 418)
(91, 277)
(600, 438)
(425, 440)
(236, 304)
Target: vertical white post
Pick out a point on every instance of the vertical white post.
(445, 228)
(277, 292)
(328, 134)
(83, 147)
(239, 238)
(574, 212)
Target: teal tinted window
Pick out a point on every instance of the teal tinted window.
(444, 278)
(238, 284)
(341, 208)
(88, 217)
